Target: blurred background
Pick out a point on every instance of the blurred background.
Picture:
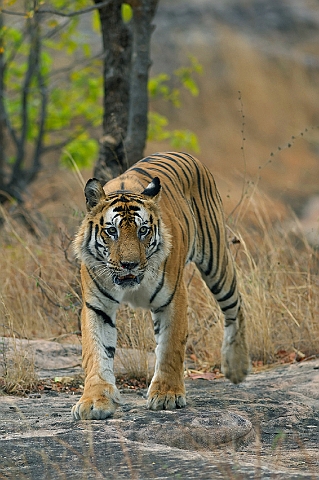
(258, 93)
(250, 111)
(268, 50)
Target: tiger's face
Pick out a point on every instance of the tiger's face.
(124, 234)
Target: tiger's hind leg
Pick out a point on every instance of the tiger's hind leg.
(235, 358)
(223, 285)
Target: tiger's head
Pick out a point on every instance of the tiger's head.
(122, 236)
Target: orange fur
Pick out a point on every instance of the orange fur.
(140, 231)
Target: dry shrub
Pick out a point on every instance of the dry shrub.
(17, 366)
(39, 285)
(277, 273)
(278, 280)
(205, 321)
(136, 339)
(278, 276)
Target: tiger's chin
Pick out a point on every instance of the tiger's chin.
(128, 281)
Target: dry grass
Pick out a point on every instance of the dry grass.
(278, 280)
(135, 336)
(39, 285)
(278, 275)
(277, 272)
(17, 368)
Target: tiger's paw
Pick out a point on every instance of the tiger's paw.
(98, 403)
(162, 397)
(235, 362)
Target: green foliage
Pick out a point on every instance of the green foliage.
(127, 12)
(179, 139)
(168, 88)
(186, 75)
(159, 87)
(75, 87)
(82, 151)
(74, 93)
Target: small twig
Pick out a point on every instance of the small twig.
(11, 329)
(63, 335)
(58, 305)
(57, 12)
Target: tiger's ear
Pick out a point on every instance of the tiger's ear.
(94, 193)
(153, 188)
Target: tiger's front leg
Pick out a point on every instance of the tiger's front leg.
(100, 397)
(167, 388)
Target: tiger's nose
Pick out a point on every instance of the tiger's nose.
(129, 265)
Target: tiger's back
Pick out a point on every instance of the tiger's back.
(164, 212)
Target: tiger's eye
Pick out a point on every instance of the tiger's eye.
(143, 230)
(111, 231)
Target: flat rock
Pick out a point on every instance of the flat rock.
(267, 427)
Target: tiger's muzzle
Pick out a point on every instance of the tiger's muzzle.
(129, 276)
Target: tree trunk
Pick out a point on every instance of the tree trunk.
(2, 112)
(126, 65)
(20, 176)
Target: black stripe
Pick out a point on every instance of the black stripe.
(200, 225)
(229, 307)
(157, 327)
(209, 208)
(95, 255)
(170, 166)
(100, 288)
(129, 198)
(143, 172)
(212, 207)
(106, 318)
(96, 242)
(161, 283)
(110, 351)
(218, 286)
(170, 298)
(161, 171)
(230, 293)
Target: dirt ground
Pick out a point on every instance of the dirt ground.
(265, 428)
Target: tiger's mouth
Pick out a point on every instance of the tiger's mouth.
(128, 280)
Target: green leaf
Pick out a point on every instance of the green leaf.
(127, 12)
(179, 139)
(184, 139)
(96, 24)
(156, 127)
(87, 50)
(158, 87)
(82, 151)
(186, 75)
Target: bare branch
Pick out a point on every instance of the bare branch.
(36, 166)
(2, 109)
(33, 58)
(51, 33)
(70, 138)
(59, 13)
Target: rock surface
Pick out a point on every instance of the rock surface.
(267, 427)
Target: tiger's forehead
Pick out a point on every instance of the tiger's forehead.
(126, 207)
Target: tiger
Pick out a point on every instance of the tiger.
(139, 232)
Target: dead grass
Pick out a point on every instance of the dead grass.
(17, 367)
(278, 280)
(278, 276)
(39, 285)
(135, 336)
(277, 272)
